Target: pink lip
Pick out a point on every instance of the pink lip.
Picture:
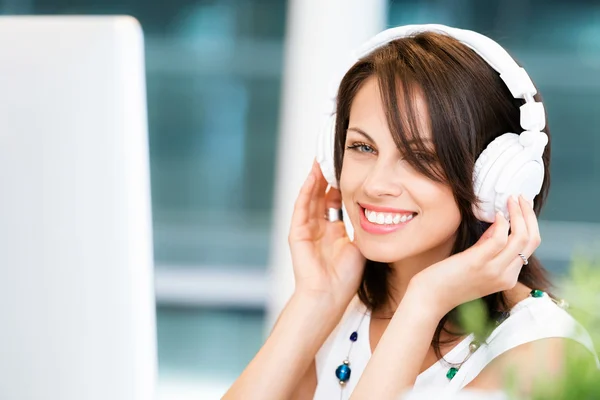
(376, 229)
(385, 209)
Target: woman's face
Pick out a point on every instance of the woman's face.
(397, 213)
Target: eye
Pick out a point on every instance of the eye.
(361, 148)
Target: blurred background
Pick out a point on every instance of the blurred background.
(215, 77)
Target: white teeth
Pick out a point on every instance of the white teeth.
(387, 218)
(371, 216)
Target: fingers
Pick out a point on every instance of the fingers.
(317, 204)
(311, 203)
(524, 233)
(533, 228)
(301, 213)
(496, 255)
(494, 239)
(518, 238)
(524, 237)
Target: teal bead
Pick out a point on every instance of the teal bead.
(536, 293)
(343, 372)
(451, 373)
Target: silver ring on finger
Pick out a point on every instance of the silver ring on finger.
(525, 261)
(333, 214)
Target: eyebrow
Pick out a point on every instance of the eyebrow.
(366, 135)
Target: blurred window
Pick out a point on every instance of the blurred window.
(213, 83)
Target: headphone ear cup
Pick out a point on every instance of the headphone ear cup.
(488, 168)
(325, 151)
(523, 176)
(507, 167)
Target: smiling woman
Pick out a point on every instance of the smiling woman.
(412, 117)
(471, 106)
(440, 197)
(379, 182)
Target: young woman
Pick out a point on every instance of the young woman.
(376, 316)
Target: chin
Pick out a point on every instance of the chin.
(381, 252)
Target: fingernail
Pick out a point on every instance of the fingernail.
(515, 199)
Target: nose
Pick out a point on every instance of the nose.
(382, 180)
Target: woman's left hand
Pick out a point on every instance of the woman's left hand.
(491, 265)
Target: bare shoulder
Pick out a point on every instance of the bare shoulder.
(540, 358)
(533, 343)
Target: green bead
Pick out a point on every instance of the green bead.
(451, 372)
(536, 293)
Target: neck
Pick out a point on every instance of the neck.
(404, 270)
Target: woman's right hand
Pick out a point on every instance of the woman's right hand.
(326, 263)
(328, 269)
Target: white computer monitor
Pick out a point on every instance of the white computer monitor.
(77, 310)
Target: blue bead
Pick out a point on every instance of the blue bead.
(343, 372)
(354, 336)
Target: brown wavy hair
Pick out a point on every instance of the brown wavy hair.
(469, 106)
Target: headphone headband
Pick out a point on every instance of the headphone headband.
(512, 163)
(517, 80)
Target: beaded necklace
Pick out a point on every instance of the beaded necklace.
(343, 371)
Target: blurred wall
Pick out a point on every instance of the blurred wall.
(320, 41)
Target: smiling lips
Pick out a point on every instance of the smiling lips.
(380, 220)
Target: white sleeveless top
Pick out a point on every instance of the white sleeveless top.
(530, 320)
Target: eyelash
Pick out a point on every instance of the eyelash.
(359, 145)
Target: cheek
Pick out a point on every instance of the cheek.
(438, 201)
(451, 218)
(451, 209)
(350, 179)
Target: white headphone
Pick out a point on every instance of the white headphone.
(511, 164)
